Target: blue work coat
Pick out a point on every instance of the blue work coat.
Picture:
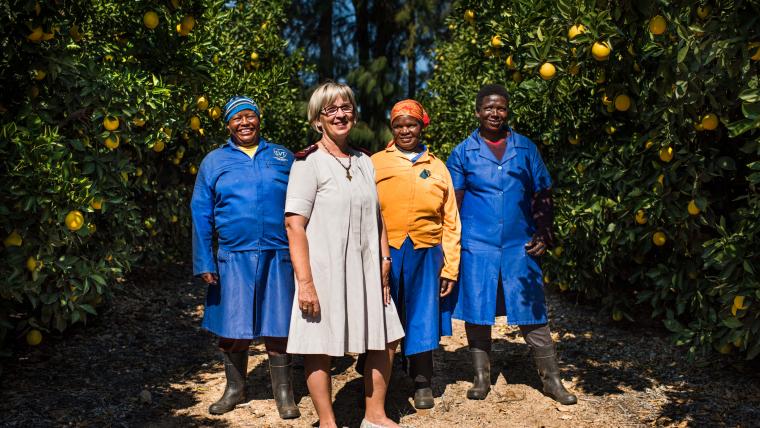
(497, 222)
(242, 199)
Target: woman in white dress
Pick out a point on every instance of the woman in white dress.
(341, 258)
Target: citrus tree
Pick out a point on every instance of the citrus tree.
(647, 114)
(106, 111)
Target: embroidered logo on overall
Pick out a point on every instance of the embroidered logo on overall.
(280, 154)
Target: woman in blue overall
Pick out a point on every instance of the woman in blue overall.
(419, 207)
(239, 196)
(504, 194)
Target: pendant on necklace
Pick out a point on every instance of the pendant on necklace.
(348, 175)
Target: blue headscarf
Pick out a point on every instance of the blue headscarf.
(237, 104)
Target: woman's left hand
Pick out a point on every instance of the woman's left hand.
(386, 278)
(447, 286)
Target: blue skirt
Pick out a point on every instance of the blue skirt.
(415, 287)
(253, 297)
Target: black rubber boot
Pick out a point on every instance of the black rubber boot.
(236, 369)
(282, 386)
(481, 362)
(421, 371)
(548, 370)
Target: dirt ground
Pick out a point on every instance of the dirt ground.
(145, 362)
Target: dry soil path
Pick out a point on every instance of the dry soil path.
(146, 363)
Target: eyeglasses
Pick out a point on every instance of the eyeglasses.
(333, 110)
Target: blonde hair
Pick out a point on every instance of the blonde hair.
(326, 94)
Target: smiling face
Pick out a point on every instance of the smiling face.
(244, 128)
(406, 132)
(492, 114)
(334, 122)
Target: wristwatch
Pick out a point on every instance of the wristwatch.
(387, 258)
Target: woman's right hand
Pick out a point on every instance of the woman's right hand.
(308, 301)
(210, 278)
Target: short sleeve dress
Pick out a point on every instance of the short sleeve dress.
(344, 253)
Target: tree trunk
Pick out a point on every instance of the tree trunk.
(362, 31)
(325, 40)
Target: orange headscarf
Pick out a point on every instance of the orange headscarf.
(410, 108)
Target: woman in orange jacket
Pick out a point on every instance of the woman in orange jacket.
(419, 207)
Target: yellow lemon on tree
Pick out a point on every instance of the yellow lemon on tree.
(496, 42)
(215, 113)
(112, 141)
(738, 342)
(575, 31)
(547, 70)
(659, 239)
(181, 31)
(666, 154)
(254, 56)
(39, 74)
(563, 286)
(546, 278)
(150, 19)
(703, 11)
(187, 24)
(31, 264)
(173, 219)
(195, 123)
(617, 315)
(138, 121)
(622, 102)
(35, 35)
(13, 240)
(661, 179)
(201, 103)
(648, 144)
(111, 123)
(558, 250)
(33, 337)
(510, 62)
(96, 203)
(138, 172)
(692, 208)
(756, 55)
(574, 140)
(658, 25)
(709, 122)
(74, 220)
(192, 169)
(606, 100)
(641, 217)
(159, 146)
(609, 129)
(601, 51)
(469, 15)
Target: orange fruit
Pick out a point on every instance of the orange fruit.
(111, 123)
(74, 220)
(659, 239)
(641, 217)
(33, 337)
(547, 71)
(692, 208)
(601, 51)
(658, 25)
(575, 31)
(150, 19)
